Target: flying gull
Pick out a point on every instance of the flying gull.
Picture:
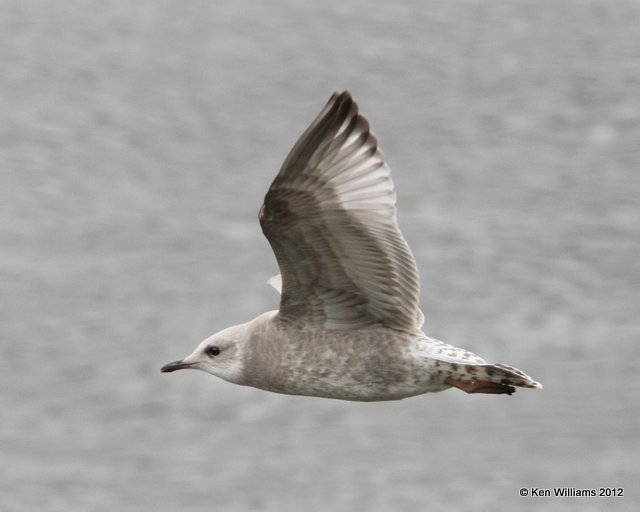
(349, 325)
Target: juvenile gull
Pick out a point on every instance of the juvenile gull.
(349, 325)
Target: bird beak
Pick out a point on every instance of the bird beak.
(175, 365)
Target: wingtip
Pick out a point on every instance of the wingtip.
(343, 97)
(344, 93)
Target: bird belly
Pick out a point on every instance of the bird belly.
(372, 364)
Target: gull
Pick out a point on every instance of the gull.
(349, 325)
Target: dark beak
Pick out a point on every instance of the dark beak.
(175, 365)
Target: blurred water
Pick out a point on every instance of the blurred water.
(136, 143)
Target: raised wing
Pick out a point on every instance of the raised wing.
(330, 218)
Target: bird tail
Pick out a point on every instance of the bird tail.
(507, 375)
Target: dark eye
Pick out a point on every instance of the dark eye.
(213, 350)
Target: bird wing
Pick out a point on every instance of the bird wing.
(330, 218)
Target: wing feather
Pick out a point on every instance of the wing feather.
(330, 218)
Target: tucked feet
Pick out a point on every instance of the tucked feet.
(481, 386)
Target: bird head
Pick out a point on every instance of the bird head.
(219, 355)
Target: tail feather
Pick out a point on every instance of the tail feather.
(473, 374)
(505, 374)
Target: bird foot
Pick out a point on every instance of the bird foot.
(481, 386)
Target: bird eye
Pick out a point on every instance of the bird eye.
(213, 350)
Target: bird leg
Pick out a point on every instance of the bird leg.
(480, 386)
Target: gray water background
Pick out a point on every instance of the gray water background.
(137, 140)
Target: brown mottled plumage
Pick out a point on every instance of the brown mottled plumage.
(349, 324)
